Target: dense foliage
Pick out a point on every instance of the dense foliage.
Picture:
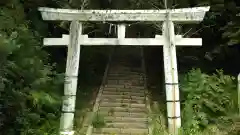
(31, 79)
(30, 86)
(29, 97)
(208, 100)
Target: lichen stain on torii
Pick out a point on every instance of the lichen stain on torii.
(177, 15)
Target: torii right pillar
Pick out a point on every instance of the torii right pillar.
(171, 76)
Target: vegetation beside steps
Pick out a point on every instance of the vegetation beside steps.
(208, 99)
(98, 121)
(84, 105)
(209, 105)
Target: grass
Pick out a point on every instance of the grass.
(83, 107)
(111, 112)
(158, 119)
(155, 78)
(98, 121)
(159, 126)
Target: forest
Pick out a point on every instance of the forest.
(32, 76)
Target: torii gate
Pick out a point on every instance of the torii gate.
(168, 40)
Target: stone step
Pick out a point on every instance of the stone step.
(129, 80)
(126, 77)
(126, 125)
(108, 134)
(128, 64)
(133, 70)
(112, 100)
(124, 93)
(124, 90)
(122, 114)
(122, 86)
(139, 131)
(111, 104)
(118, 67)
(132, 82)
(122, 109)
(126, 86)
(126, 119)
(125, 74)
(114, 86)
(122, 97)
(114, 82)
(123, 71)
(115, 66)
(136, 70)
(125, 82)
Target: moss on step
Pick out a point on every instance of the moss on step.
(98, 121)
(111, 112)
(124, 105)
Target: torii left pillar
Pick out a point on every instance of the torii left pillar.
(71, 78)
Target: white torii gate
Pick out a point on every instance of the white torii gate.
(168, 40)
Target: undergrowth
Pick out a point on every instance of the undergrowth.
(98, 121)
(209, 105)
(209, 102)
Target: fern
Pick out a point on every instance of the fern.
(206, 98)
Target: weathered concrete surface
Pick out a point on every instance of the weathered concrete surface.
(122, 102)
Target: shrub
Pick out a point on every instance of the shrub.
(207, 100)
(30, 101)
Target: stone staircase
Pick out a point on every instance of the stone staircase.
(122, 101)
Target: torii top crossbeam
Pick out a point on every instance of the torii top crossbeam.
(176, 15)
